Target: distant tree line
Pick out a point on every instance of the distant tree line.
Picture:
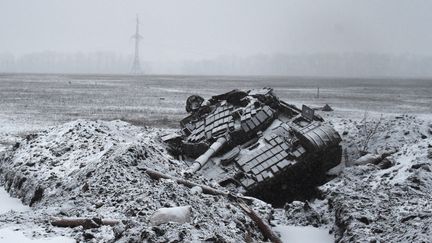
(54, 62)
(346, 65)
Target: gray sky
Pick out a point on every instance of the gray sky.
(197, 29)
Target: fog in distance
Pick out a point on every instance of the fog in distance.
(368, 38)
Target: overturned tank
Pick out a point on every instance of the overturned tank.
(256, 143)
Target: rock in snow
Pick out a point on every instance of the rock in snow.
(175, 214)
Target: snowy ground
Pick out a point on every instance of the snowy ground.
(365, 203)
(10, 233)
(8, 203)
(303, 234)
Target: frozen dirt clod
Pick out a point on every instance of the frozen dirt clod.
(90, 169)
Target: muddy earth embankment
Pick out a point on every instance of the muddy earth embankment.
(91, 169)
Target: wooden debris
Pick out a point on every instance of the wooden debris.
(263, 226)
(206, 189)
(87, 223)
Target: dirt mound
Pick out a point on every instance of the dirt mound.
(91, 169)
(389, 205)
(367, 203)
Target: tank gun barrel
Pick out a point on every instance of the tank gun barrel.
(204, 158)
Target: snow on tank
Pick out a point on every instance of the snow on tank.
(253, 141)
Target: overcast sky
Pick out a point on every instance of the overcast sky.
(196, 29)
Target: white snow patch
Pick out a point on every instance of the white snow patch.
(303, 234)
(8, 203)
(8, 235)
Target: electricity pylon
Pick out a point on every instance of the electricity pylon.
(136, 66)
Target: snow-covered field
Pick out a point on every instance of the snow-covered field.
(29, 102)
(363, 203)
